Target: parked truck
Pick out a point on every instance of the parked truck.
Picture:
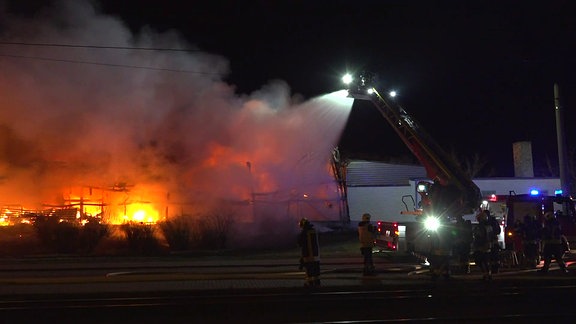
(516, 208)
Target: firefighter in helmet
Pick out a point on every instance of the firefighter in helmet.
(463, 243)
(310, 253)
(531, 235)
(552, 241)
(495, 249)
(482, 245)
(367, 236)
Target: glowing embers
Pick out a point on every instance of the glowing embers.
(4, 220)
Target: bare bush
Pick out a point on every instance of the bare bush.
(141, 238)
(57, 236)
(212, 228)
(69, 237)
(92, 234)
(178, 233)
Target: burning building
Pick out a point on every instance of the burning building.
(94, 123)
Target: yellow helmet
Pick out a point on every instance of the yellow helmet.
(303, 222)
(366, 217)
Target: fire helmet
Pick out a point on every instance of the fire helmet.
(303, 222)
(549, 215)
(366, 217)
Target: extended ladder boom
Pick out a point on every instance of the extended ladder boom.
(452, 190)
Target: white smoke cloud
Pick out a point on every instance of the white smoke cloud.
(162, 121)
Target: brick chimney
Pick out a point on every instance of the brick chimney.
(523, 164)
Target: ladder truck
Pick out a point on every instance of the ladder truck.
(450, 193)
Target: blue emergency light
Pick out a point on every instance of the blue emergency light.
(534, 192)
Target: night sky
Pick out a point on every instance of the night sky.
(477, 75)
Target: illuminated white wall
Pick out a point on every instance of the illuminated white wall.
(385, 202)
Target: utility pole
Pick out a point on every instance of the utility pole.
(252, 193)
(561, 139)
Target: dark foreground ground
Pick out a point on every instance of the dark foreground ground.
(266, 286)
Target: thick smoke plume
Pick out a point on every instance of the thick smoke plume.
(155, 127)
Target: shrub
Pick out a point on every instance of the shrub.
(141, 238)
(91, 234)
(213, 229)
(19, 240)
(57, 236)
(177, 233)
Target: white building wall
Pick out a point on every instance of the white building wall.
(385, 203)
(503, 186)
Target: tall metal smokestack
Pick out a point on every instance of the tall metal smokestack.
(561, 139)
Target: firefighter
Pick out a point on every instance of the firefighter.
(463, 244)
(552, 241)
(482, 245)
(495, 246)
(517, 244)
(310, 253)
(531, 241)
(367, 236)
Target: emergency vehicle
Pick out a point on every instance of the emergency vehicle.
(534, 204)
(387, 235)
(450, 194)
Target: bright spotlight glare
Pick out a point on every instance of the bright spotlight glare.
(393, 93)
(347, 78)
(431, 223)
(370, 91)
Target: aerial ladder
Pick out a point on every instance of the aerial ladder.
(450, 192)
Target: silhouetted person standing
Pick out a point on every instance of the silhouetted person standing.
(310, 253)
(482, 245)
(495, 249)
(532, 230)
(367, 235)
(463, 244)
(552, 240)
